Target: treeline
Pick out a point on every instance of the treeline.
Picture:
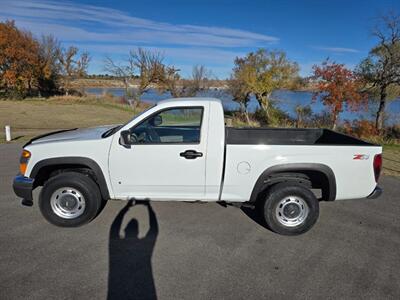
(32, 66)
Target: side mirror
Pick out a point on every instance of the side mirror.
(125, 139)
(156, 121)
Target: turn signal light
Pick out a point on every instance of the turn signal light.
(22, 168)
(25, 154)
(23, 161)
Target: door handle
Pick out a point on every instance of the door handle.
(191, 154)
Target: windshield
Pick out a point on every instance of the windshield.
(113, 130)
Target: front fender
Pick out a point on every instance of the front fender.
(75, 161)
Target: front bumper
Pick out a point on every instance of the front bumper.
(23, 187)
(376, 193)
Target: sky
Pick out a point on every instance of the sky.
(210, 33)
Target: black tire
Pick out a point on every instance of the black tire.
(84, 185)
(279, 194)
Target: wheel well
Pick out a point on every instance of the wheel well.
(47, 172)
(312, 179)
(43, 169)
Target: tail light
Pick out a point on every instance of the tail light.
(377, 166)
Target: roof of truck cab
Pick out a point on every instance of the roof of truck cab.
(190, 99)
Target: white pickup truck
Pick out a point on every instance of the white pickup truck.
(180, 150)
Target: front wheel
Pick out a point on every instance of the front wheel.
(290, 209)
(70, 199)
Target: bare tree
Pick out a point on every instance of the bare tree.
(171, 81)
(381, 69)
(198, 82)
(49, 66)
(144, 64)
(150, 67)
(124, 72)
(73, 65)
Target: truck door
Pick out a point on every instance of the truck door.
(167, 156)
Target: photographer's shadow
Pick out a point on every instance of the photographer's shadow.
(130, 272)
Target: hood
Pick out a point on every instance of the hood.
(92, 133)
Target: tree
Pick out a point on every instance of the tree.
(31, 66)
(302, 113)
(338, 88)
(142, 64)
(49, 67)
(264, 71)
(381, 69)
(19, 60)
(124, 72)
(198, 82)
(240, 92)
(73, 65)
(172, 82)
(150, 67)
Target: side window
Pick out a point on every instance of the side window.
(175, 125)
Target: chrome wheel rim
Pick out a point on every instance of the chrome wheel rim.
(67, 203)
(292, 211)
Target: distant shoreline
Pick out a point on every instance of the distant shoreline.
(115, 84)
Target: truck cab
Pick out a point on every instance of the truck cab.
(173, 151)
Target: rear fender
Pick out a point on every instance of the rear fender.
(295, 172)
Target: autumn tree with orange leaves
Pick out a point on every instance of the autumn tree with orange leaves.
(36, 67)
(18, 59)
(338, 88)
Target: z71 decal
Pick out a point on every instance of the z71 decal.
(361, 156)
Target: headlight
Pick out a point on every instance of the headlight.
(23, 161)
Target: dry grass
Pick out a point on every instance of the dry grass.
(391, 160)
(31, 117)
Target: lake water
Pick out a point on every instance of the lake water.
(285, 100)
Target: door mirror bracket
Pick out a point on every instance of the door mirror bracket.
(125, 139)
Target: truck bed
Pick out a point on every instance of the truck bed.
(289, 136)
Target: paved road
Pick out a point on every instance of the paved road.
(198, 251)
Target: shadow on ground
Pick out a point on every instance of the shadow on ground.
(254, 215)
(130, 272)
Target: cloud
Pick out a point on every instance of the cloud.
(186, 54)
(73, 22)
(337, 49)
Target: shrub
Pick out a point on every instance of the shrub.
(360, 128)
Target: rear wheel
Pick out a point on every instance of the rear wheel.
(290, 209)
(70, 199)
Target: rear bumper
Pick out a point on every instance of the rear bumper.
(23, 187)
(376, 193)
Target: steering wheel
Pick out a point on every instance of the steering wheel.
(133, 138)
